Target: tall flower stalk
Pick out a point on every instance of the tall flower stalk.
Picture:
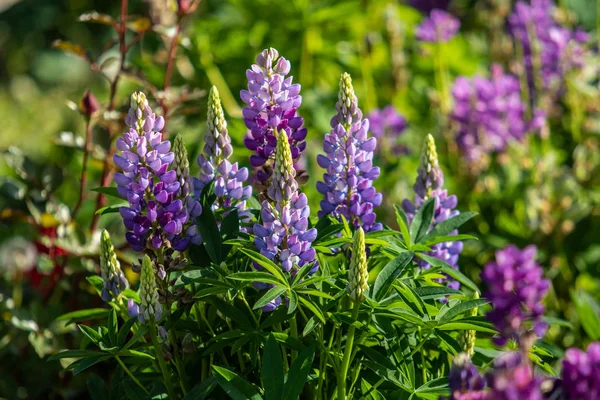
(347, 184)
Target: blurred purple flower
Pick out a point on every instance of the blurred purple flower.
(516, 287)
(439, 27)
(348, 181)
(387, 125)
(429, 183)
(581, 373)
(155, 216)
(428, 5)
(489, 114)
(549, 49)
(464, 380)
(513, 379)
(272, 103)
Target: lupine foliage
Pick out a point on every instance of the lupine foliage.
(267, 253)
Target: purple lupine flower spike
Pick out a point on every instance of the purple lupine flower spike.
(214, 164)
(516, 287)
(464, 380)
(489, 114)
(348, 160)
(272, 103)
(156, 215)
(429, 183)
(439, 27)
(284, 237)
(581, 373)
(513, 378)
(549, 49)
(387, 125)
(429, 5)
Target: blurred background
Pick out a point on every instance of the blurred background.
(540, 185)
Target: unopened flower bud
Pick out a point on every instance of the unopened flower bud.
(284, 183)
(110, 269)
(358, 273)
(150, 308)
(89, 104)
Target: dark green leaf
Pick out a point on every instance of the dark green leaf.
(96, 388)
(266, 264)
(84, 315)
(422, 220)
(403, 224)
(272, 370)
(255, 277)
(75, 354)
(389, 273)
(312, 307)
(202, 390)
(446, 227)
(458, 309)
(90, 333)
(234, 385)
(298, 374)
(113, 328)
(453, 346)
(434, 292)
(271, 294)
(107, 190)
(111, 209)
(450, 271)
(209, 230)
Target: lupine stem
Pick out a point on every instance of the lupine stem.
(347, 352)
(294, 334)
(161, 360)
(133, 378)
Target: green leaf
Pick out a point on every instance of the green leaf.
(75, 354)
(111, 209)
(202, 390)
(293, 304)
(113, 328)
(453, 346)
(422, 220)
(272, 370)
(84, 315)
(139, 333)
(446, 227)
(255, 277)
(272, 293)
(235, 386)
(266, 264)
(377, 357)
(389, 273)
(85, 363)
(209, 230)
(588, 311)
(458, 309)
(469, 323)
(403, 224)
(450, 271)
(312, 307)
(434, 292)
(107, 190)
(298, 374)
(411, 298)
(232, 312)
(450, 238)
(96, 388)
(91, 334)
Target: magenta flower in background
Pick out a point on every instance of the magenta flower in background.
(347, 184)
(439, 27)
(490, 113)
(581, 373)
(513, 378)
(387, 125)
(272, 103)
(464, 380)
(550, 50)
(516, 287)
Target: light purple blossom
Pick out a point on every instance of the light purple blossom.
(387, 125)
(516, 287)
(513, 378)
(439, 27)
(581, 373)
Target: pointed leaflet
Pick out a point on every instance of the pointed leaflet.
(234, 385)
(389, 273)
(272, 370)
(298, 374)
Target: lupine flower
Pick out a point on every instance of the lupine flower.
(429, 183)
(513, 379)
(387, 125)
(113, 278)
(272, 103)
(181, 166)
(156, 214)
(516, 287)
(490, 114)
(284, 236)
(439, 27)
(150, 309)
(214, 164)
(549, 49)
(464, 380)
(133, 309)
(358, 274)
(581, 373)
(348, 181)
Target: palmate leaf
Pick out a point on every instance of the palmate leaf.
(448, 270)
(446, 227)
(389, 273)
(255, 277)
(422, 220)
(453, 347)
(313, 308)
(266, 264)
(434, 292)
(271, 294)
(272, 370)
(448, 313)
(234, 385)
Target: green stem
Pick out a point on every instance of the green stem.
(161, 360)
(133, 378)
(294, 334)
(347, 353)
(180, 370)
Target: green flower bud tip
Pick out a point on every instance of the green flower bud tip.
(347, 105)
(110, 269)
(284, 184)
(217, 143)
(150, 308)
(358, 273)
(181, 165)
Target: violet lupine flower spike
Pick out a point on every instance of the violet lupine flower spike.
(387, 125)
(284, 237)
(516, 287)
(214, 164)
(348, 160)
(112, 276)
(464, 380)
(181, 165)
(513, 378)
(429, 183)
(581, 373)
(155, 215)
(439, 27)
(272, 103)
